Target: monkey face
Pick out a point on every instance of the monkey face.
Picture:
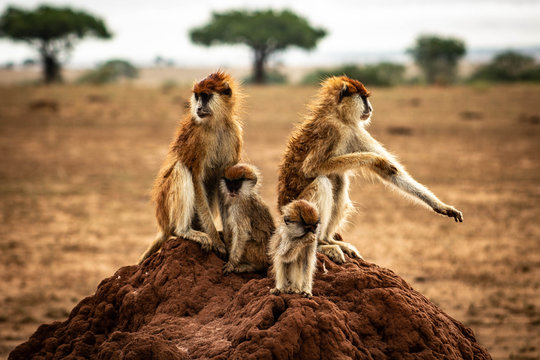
(238, 187)
(211, 97)
(354, 105)
(233, 186)
(240, 180)
(299, 229)
(202, 102)
(301, 218)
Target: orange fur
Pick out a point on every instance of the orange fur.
(305, 212)
(216, 82)
(240, 171)
(195, 147)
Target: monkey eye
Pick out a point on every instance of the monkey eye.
(227, 92)
(205, 97)
(196, 96)
(286, 220)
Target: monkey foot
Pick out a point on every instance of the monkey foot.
(219, 247)
(350, 250)
(275, 291)
(334, 252)
(292, 290)
(306, 294)
(228, 268)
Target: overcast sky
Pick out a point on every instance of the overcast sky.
(359, 30)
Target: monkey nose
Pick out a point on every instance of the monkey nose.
(201, 113)
(310, 228)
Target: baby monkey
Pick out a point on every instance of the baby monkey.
(247, 222)
(293, 248)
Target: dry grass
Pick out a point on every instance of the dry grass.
(75, 178)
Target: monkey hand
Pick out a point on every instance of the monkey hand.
(450, 211)
(384, 168)
(218, 245)
(229, 267)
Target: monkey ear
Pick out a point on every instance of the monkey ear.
(344, 92)
(227, 91)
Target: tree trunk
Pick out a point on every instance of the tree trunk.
(258, 66)
(51, 68)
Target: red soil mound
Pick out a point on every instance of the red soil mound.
(178, 305)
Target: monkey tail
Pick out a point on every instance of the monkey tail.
(154, 247)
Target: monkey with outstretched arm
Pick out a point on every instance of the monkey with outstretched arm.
(330, 145)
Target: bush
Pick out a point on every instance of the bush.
(109, 72)
(509, 66)
(381, 74)
(270, 77)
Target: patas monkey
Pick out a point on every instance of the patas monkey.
(247, 222)
(293, 248)
(331, 144)
(208, 140)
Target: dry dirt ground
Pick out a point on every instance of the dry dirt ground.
(77, 164)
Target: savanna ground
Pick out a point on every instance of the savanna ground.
(78, 162)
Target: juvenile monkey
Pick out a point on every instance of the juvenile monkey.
(293, 248)
(247, 222)
(327, 147)
(186, 188)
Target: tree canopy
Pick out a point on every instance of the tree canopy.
(509, 66)
(264, 31)
(53, 31)
(437, 57)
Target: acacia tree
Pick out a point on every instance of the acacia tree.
(437, 57)
(264, 31)
(51, 31)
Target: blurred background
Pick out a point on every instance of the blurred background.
(91, 93)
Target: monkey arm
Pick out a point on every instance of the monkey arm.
(289, 249)
(352, 161)
(205, 215)
(238, 244)
(406, 183)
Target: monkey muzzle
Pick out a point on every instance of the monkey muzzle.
(233, 186)
(310, 228)
(203, 113)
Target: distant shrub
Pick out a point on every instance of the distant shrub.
(168, 85)
(109, 72)
(509, 66)
(270, 77)
(381, 74)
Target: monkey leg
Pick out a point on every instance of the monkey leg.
(341, 209)
(296, 276)
(320, 193)
(281, 271)
(203, 209)
(308, 271)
